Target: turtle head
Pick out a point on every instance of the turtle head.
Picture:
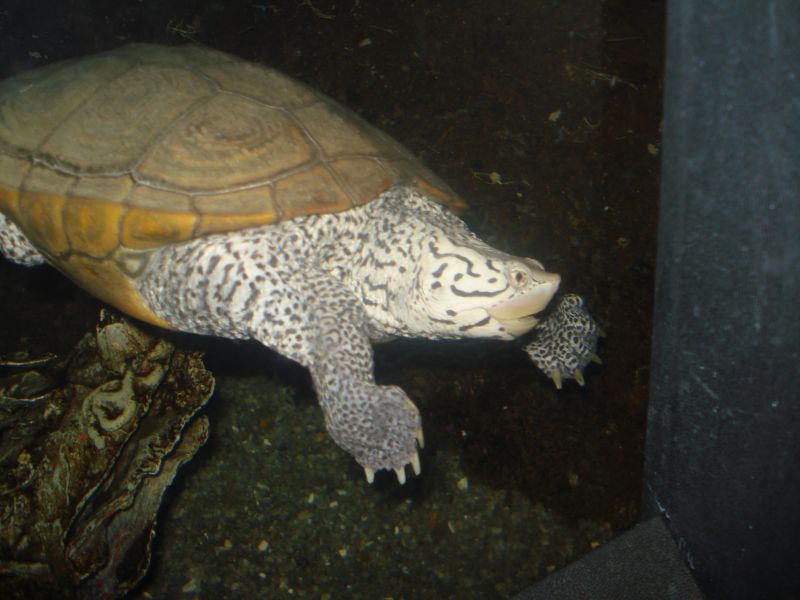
(465, 288)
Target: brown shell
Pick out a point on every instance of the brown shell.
(104, 158)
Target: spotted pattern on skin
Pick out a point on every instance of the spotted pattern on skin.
(317, 289)
(267, 284)
(15, 246)
(566, 342)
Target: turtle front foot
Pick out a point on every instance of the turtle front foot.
(566, 342)
(381, 428)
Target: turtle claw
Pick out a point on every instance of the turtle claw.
(420, 439)
(415, 464)
(556, 377)
(401, 474)
(370, 474)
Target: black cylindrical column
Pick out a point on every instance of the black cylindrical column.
(723, 446)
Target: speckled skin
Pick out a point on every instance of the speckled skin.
(16, 247)
(566, 341)
(318, 288)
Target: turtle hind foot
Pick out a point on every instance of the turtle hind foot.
(566, 342)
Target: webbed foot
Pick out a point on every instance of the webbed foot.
(566, 342)
(381, 428)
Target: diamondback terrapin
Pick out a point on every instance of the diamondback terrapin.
(203, 193)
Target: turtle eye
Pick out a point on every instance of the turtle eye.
(519, 277)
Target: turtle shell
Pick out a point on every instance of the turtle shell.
(104, 158)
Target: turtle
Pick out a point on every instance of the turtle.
(200, 192)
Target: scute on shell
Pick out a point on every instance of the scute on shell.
(104, 158)
(147, 145)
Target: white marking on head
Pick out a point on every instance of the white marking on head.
(468, 289)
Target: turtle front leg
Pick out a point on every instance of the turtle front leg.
(566, 342)
(379, 425)
(260, 286)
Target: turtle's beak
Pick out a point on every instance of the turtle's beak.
(516, 313)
